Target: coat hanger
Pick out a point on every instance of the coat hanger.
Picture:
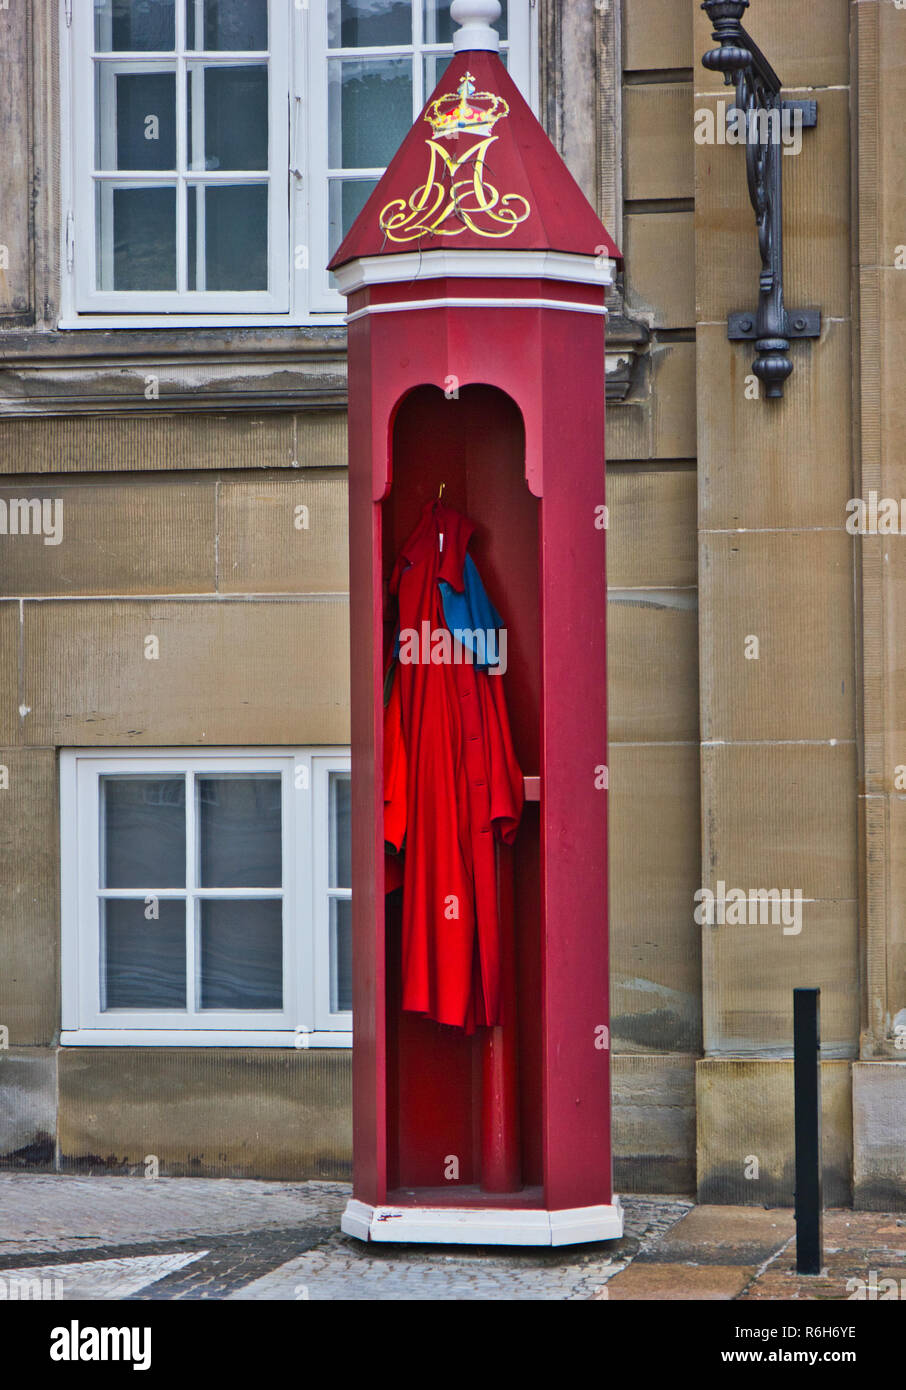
(440, 537)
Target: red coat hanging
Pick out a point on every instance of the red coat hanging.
(451, 785)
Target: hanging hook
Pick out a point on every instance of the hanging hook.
(440, 492)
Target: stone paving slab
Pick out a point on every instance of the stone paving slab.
(868, 1231)
(723, 1235)
(677, 1282)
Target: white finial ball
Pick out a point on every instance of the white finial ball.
(476, 18)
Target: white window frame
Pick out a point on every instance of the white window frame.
(306, 1019)
(298, 97)
(77, 153)
(322, 892)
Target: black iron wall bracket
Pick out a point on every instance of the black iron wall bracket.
(771, 326)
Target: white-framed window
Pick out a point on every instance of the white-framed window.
(215, 152)
(206, 897)
(178, 138)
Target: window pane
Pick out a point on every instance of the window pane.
(135, 119)
(239, 831)
(340, 871)
(137, 25)
(227, 117)
(436, 65)
(143, 832)
(231, 224)
(369, 23)
(195, 279)
(242, 954)
(369, 111)
(346, 199)
(438, 26)
(136, 237)
(143, 961)
(216, 25)
(340, 955)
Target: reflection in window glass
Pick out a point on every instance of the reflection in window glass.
(369, 23)
(339, 879)
(241, 948)
(143, 840)
(236, 236)
(143, 958)
(340, 797)
(239, 832)
(369, 111)
(340, 955)
(439, 27)
(436, 65)
(347, 197)
(227, 117)
(136, 235)
(217, 25)
(137, 26)
(135, 119)
(227, 236)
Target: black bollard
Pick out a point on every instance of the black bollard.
(807, 1083)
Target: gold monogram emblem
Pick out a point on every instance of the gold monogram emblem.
(457, 195)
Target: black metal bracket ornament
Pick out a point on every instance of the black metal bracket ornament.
(761, 109)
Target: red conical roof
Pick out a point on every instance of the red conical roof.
(512, 191)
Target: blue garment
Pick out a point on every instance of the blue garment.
(470, 610)
(467, 612)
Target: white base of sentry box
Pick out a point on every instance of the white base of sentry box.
(482, 1225)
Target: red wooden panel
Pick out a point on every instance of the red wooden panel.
(474, 445)
(544, 567)
(574, 802)
(369, 987)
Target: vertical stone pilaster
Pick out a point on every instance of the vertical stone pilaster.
(776, 620)
(879, 292)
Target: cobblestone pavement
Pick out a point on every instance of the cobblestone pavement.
(56, 1212)
(65, 1237)
(348, 1269)
(191, 1238)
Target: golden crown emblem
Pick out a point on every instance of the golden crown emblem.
(466, 112)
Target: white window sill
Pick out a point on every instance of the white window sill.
(185, 1037)
(330, 318)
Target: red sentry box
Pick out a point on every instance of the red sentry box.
(478, 363)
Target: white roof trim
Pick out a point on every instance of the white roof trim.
(411, 266)
(476, 302)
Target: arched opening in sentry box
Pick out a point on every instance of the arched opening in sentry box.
(473, 444)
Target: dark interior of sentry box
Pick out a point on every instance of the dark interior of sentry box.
(475, 446)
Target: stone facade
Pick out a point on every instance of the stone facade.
(727, 523)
